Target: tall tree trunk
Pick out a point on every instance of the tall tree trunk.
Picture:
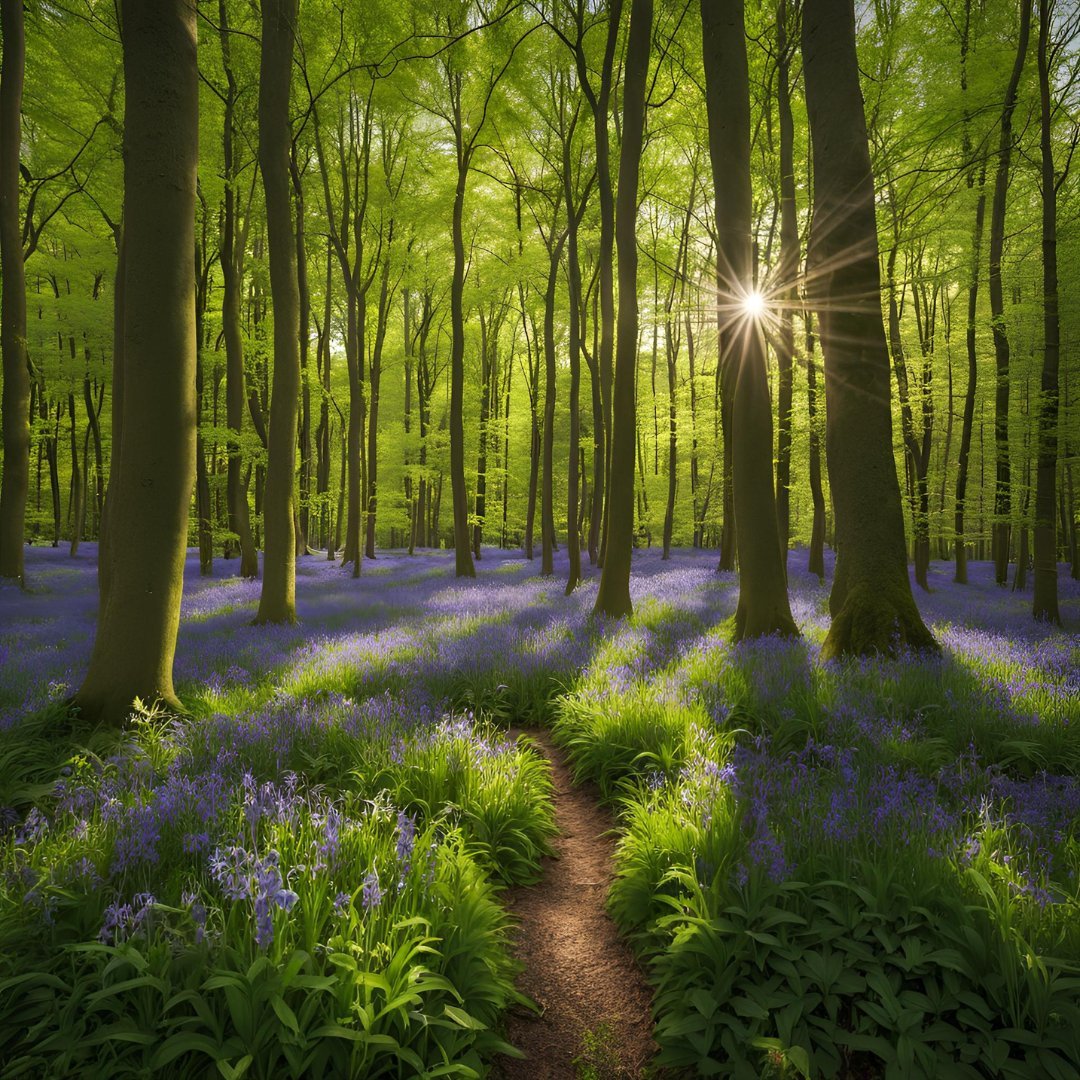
(463, 560)
(304, 509)
(15, 415)
(78, 487)
(154, 465)
(547, 490)
(232, 261)
(1045, 600)
(203, 507)
(599, 103)
(374, 386)
(613, 596)
(574, 303)
(871, 603)
(1002, 492)
(94, 427)
(763, 606)
(277, 601)
(410, 500)
(534, 437)
(969, 395)
(786, 292)
(816, 563)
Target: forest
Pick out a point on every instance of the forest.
(540, 538)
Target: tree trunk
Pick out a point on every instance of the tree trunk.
(78, 486)
(1044, 534)
(304, 508)
(599, 103)
(547, 490)
(277, 601)
(232, 261)
(816, 563)
(463, 560)
(763, 606)
(871, 603)
(787, 289)
(374, 385)
(968, 421)
(534, 439)
(154, 465)
(573, 278)
(489, 333)
(15, 414)
(1002, 492)
(613, 596)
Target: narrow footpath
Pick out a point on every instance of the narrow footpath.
(593, 997)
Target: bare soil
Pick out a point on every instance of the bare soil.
(578, 970)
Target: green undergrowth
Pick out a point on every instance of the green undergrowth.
(309, 891)
(827, 868)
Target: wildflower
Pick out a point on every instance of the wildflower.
(115, 924)
(372, 895)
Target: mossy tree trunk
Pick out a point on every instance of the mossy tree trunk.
(154, 462)
(277, 601)
(613, 596)
(871, 602)
(763, 606)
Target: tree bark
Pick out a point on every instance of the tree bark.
(1044, 533)
(1002, 482)
(763, 606)
(304, 508)
(786, 291)
(374, 387)
(613, 596)
(463, 560)
(816, 562)
(277, 601)
(968, 421)
(599, 103)
(232, 261)
(16, 395)
(871, 603)
(547, 487)
(154, 464)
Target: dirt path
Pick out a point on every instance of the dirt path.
(577, 969)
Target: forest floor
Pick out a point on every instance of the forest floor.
(593, 1000)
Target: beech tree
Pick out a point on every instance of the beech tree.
(871, 603)
(763, 604)
(277, 602)
(613, 596)
(153, 465)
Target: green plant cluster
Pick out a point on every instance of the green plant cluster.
(307, 929)
(938, 946)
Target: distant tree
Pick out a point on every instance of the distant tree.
(153, 467)
(871, 603)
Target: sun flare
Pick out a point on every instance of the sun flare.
(754, 304)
